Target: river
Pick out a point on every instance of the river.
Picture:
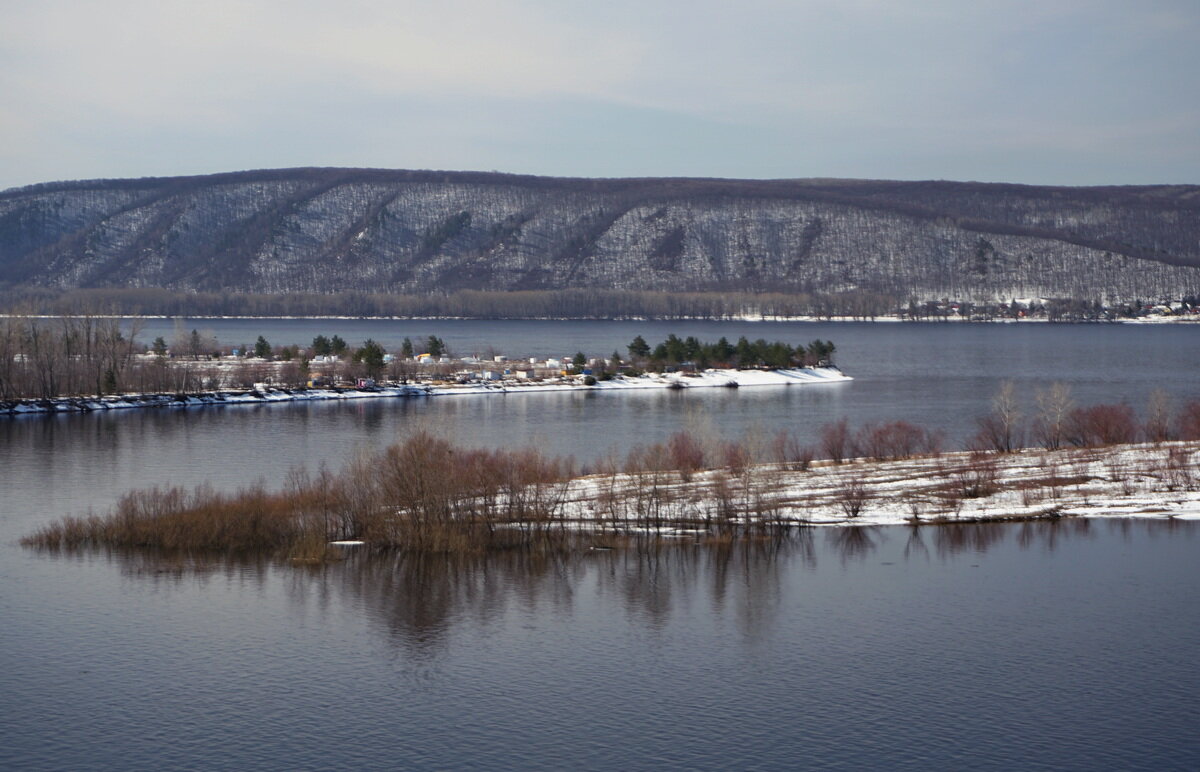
(1066, 645)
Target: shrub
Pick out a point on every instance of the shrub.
(1189, 421)
(835, 440)
(686, 453)
(895, 439)
(787, 451)
(1101, 425)
(852, 496)
(976, 479)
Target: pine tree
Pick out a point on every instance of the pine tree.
(371, 355)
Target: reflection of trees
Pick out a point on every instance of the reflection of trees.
(954, 538)
(167, 567)
(852, 542)
(417, 598)
(914, 545)
(744, 577)
(1048, 533)
(418, 601)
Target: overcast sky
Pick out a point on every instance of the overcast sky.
(1073, 92)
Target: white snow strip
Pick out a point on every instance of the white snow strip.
(1130, 481)
(705, 379)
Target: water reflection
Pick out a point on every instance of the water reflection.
(416, 601)
(175, 569)
(853, 543)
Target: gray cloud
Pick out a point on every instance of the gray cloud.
(1047, 92)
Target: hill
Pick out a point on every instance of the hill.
(368, 230)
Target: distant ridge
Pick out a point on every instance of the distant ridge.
(378, 230)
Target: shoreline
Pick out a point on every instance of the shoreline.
(751, 318)
(705, 379)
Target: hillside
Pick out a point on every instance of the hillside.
(335, 230)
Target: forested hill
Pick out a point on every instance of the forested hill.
(330, 230)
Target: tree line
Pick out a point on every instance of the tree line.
(550, 304)
(744, 354)
(582, 303)
(72, 355)
(77, 356)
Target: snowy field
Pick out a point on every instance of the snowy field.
(1146, 480)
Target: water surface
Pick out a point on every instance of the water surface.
(1005, 646)
(1064, 646)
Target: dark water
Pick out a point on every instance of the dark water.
(1068, 646)
(1037, 646)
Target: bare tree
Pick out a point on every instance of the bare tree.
(1000, 430)
(1054, 406)
(1158, 417)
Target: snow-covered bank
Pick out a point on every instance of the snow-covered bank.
(743, 317)
(705, 379)
(1145, 481)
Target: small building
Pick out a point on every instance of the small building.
(365, 383)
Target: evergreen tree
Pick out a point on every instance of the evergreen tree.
(745, 353)
(722, 350)
(371, 355)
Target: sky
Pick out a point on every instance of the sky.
(1068, 92)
